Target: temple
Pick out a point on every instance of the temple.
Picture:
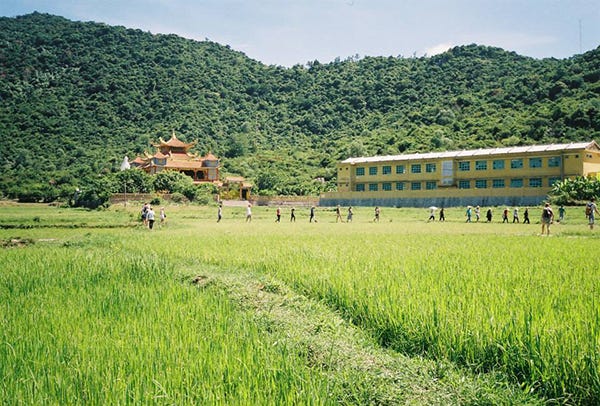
(174, 155)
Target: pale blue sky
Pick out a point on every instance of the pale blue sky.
(285, 32)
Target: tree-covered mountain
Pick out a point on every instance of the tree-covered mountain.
(76, 97)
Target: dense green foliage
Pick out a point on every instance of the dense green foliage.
(577, 190)
(76, 97)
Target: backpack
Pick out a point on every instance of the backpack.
(546, 213)
(588, 209)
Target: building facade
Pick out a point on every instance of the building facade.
(514, 176)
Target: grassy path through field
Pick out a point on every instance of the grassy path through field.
(350, 357)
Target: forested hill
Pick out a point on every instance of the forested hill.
(76, 97)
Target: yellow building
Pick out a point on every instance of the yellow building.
(514, 176)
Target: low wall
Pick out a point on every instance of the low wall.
(437, 201)
(286, 201)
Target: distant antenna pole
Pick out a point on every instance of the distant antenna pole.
(580, 36)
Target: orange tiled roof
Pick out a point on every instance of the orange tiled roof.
(183, 164)
(174, 142)
(182, 156)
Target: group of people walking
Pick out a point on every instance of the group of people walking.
(148, 216)
(547, 215)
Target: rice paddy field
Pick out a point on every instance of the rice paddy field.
(97, 309)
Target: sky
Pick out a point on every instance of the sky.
(286, 32)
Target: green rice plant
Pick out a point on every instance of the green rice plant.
(80, 326)
(491, 297)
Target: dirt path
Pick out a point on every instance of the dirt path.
(350, 357)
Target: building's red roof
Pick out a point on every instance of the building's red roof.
(174, 142)
(138, 161)
(183, 164)
(182, 156)
(160, 155)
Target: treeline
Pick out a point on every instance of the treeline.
(76, 97)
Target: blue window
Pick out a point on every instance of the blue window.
(464, 184)
(498, 183)
(415, 185)
(430, 168)
(481, 184)
(399, 185)
(498, 164)
(360, 187)
(415, 168)
(386, 186)
(535, 162)
(372, 170)
(554, 162)
(464, 166)
(518, 182)
(372, 187)
(400, 169)
(535, 182)
(430, 185)
(360, 171)
(480, 165)
(386, 170)
(516, 163)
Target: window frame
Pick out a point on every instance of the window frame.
(516, 163)
(478, 182)
(535, 163)
(516, 183)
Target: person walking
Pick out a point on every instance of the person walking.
(338, 214)
(469, 213)
(249, 213)
(547, 218)
(163, 216)
(145, 208)
(278, 214)
(561, 213)
(477, 214)
(350, 214)
(488, 215)
(150, 217)
(592, 210)
(516, 215)
(293, 215)
(505, 215)
(220, 213)
(526, 216)
(377, 211)
(431, 214)
(312, 215)
(442, 215)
